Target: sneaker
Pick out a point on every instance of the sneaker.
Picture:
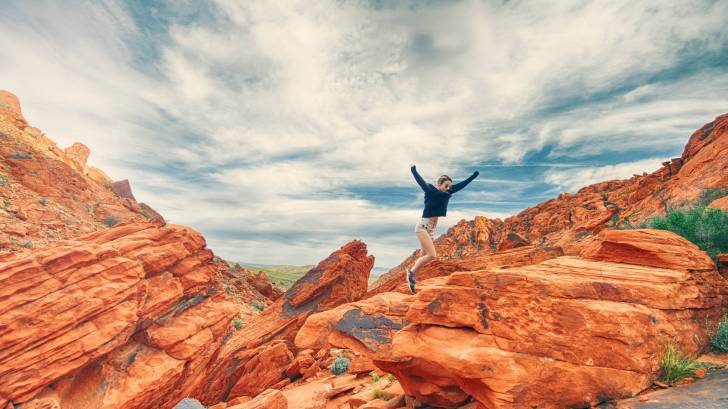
(411, 280)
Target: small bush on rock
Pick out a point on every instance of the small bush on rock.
(340, 366)
(707, 196)
(706, 228)
(111, 221)
(21, 155)
(675, 367)
(719, 340)
(238, 324)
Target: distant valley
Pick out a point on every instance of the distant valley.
(283, 276)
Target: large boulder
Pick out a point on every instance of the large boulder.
(126, 317)
(339, 279)
(568, 331)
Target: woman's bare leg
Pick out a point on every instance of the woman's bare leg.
(428, 250)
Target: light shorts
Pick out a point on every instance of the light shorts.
(426, 224)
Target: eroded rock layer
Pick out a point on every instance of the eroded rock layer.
(561, 225)
(340, 278)
(566, 332)
(126, 317)
(50, 194)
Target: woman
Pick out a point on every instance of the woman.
(436, 199)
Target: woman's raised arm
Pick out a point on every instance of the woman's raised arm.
(419, 179)
(457, 186)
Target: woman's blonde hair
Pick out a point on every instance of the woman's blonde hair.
(442, 179)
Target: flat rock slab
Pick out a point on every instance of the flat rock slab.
(708, 393)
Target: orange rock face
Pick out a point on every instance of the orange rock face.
(566, 332)
(562, 225)
(126, 317)
(721, 203)
(270, 399)
(340, 278)
(50, 194)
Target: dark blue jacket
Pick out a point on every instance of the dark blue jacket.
(435, 199)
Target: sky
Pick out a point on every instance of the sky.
(282, 130)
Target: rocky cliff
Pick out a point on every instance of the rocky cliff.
(550, 308)
(572, 331)
(141, 315)
(50, 194)
(561, 225)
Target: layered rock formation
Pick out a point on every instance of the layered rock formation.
(567, 332)
(128, 317)
(256, 359)
(560, 225)
(545, 309)
(50, 194)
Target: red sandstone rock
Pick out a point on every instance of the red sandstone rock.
(365, 326)
(338, 279)
(655, 248)
(78, 154)
(10, 107)
(261, 283)
(106, 319)
(50, 192)
(721, 203)
(123, 189)
(563, 224)
(270, 399)
(264, 366)
(564, 332)
(239, 400)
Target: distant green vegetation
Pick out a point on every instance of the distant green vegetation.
(282, 276)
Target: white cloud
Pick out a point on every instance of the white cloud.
(574, 179)
(259, 115)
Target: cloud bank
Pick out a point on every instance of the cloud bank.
(282, 130)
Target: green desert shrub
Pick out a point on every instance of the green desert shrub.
(111, 221)
(705, 227)
(707, 196)
(238, 324)
(378, 394)
(675, 367)
(21, 155)
(719, 340)
(375, 377)
(340, 366)
(391, 379)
